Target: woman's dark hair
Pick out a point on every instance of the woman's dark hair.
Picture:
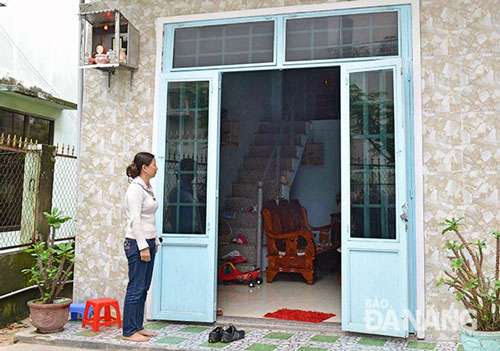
(140, 159)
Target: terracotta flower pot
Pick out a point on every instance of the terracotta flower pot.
(49, 318)
(473, 340)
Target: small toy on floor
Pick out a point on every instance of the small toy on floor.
(229, 273)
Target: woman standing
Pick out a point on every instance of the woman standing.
(141, 244)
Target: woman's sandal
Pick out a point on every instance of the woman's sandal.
(231, 334)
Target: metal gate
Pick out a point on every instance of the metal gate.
(20, 168)
(19, 174)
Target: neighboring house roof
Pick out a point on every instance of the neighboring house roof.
(11, 87)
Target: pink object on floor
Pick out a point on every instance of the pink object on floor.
(240, 240)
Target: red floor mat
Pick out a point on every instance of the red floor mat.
(299, 315)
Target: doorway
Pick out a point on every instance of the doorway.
(254, 105)
(380, 72)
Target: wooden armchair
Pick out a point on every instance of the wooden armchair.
(290, 245)
(301, 212)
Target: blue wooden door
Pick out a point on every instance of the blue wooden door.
(374, 236)
(184, 286)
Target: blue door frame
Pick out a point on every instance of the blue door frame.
(279, 62)
(374, 252)
(186, 262)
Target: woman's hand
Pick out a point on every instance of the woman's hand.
(145, 255)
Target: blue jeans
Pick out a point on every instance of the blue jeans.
(140, 274)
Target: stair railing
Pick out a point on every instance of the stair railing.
(260, 190)
(260, 184)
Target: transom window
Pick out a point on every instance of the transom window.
(333, 37)
(228, 44)
(283, 39)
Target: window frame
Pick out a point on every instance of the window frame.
(279, 61)
(222, 38)
(26, 124)
(360, 12)
(169, 38)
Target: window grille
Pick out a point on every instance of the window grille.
(229, 44)
(347, 36)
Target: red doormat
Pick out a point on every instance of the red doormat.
(299, 315)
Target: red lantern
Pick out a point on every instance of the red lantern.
(106, 27)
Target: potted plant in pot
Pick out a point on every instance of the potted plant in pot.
(50, 271)
(478, 290)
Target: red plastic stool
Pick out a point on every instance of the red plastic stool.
(95, 320)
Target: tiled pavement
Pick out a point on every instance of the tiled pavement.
(177, 336)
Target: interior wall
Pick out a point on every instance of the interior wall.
(316, 187)
(247, 97)
(313, 94)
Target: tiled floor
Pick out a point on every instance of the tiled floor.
(176, 336)
(286, 291)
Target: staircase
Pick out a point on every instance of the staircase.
(244, 193)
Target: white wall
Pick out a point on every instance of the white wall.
(317, 186)
(39, 47)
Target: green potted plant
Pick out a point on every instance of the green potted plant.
(478, 290)
(51, 269)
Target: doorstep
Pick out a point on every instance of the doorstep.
(191, 337)
(271, 323)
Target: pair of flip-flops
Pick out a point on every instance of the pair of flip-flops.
(225, 334)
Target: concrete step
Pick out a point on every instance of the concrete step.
(249, 233)
(238, 203)
(252, 176)
(243, 219)
(266, 150)
(270, 139)
(252, 197)
(250, 190)
(274, 127)
(261, 163)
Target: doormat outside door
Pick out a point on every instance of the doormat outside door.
(299, 315)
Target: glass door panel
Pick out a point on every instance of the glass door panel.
(186, 162)
(374, 241)
(372, 158)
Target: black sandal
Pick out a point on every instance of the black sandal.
(231, 334)
(215, 335)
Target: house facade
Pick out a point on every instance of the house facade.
(429, 67)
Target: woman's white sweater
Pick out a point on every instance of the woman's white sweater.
(140, 208)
